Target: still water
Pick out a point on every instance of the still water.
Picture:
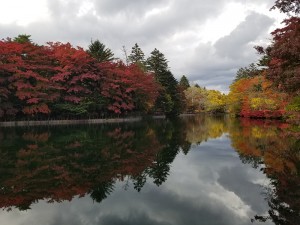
(196, 170)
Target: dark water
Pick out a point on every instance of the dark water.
(197, 170)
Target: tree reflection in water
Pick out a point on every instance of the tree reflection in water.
(59, 163)
(275, 148)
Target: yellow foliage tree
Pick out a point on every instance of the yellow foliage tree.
(216, 101)
(255, 97)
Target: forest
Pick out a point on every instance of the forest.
(60, 81)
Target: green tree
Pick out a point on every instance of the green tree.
(170, 84)
(184, 82)
(247, 72)
(157, 62)
(22, 38)
(137, 57)
(265, 56)
(100, 52)
(169, 100)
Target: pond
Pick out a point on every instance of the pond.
(195, 170)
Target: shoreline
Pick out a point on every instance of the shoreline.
(29, 123)
(24, 123)
(67, 122)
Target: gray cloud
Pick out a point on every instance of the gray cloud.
(244, 188)
(238, 42)
(216, 64)
(131, 8)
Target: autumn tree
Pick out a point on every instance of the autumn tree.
(236, 95)
(10, 57)
(215, 101)
(100, 52)
(256, 97)
(27, 69)
(200, 99)
(195, 99)
(33, 80)
(126, 88)
(282, 56)
(77, 78)
(68, 81)
(284, 65)
(145, 87)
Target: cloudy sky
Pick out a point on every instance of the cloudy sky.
(205, 40)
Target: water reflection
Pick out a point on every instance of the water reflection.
(274, 146)
(58, 164)
(185, 158)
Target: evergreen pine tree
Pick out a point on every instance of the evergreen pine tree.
(22, 38)
(184, 82)
(137, 57)
(157, 63)
(169, 99)
(99, 51)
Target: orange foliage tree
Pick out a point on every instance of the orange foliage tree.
(255, 97)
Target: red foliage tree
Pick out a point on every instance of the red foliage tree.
(126, 87)
(67, 80)
(26, 69)
(77, 76)
(9, 58)
(284, 67)
(76, 72)
(257, 98)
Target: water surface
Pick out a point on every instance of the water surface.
(196, 170)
